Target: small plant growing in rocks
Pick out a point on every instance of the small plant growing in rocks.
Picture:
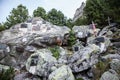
(55, 51)
(7, 74)
(72, 39)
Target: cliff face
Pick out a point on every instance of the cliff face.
(79, 12)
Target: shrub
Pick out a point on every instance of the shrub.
(72, 39)
(55, 51)
(7, 74)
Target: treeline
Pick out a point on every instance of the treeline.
(100, 11)
(20, 14)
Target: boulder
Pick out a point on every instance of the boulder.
(3, 67)
(25, 76)
(10, 61)
(84, 31)
(115, 65)
(4, 50)
(81, 60)
(109, 75)
(26, 32)
(64, 54)
(111, 56)
(62, 73)
(78, 46)
(41, 62)
(101, 41)
(30, 49)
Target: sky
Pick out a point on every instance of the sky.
(68, 7)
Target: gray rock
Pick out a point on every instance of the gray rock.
(26, 32)
(3, 67)
(8, 60)
(63, 56)
(101, 41)
(115, 65)
(81, 60)
(111, 56)
(83, 31)
(41, 62)
(109, 75)
(79, 12)
(78, 46)
(30, 49)
(62, 73)
(4, 50)
(25, 76)
(20, 76)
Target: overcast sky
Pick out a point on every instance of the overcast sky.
(68, 7)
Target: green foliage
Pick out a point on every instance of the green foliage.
(99, 10)
(55, 51)
(40, 12)
(56, 17)
(7, 74)
(81, 21)
(96, 10)
(69, 23)
(72, 39)
(17, 15)
(2, 27)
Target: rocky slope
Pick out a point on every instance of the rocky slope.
(37, 50)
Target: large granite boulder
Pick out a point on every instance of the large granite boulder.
(62, 73)
(84, 31)
(81, 60)
(41, 63)
(109, 75)
(101, 41)
(4, 50)
(30, 49)
(24, 33)
(111, 56)
(115, 65)
(63, 56)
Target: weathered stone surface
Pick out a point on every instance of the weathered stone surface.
(79, 12)
(26, 32)
(30, 49)
(101, 41)
(4, 50)
(40, 63)
(81, 60)
(109, 75)
(25, 76)
(115, 65)
(62, 73)
(111, 56)
(84, 31)
(3, 67)
(21, 46)
(63, 56)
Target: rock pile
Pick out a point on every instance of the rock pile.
(26, 48)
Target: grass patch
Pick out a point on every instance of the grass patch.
(7, 74)
(101, 67)
(55, 51)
